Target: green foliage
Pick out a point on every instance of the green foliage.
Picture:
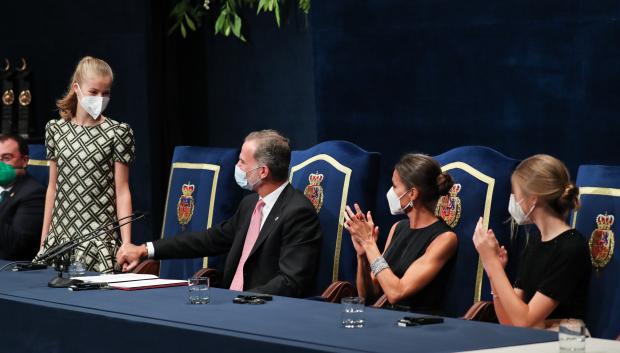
(271, 6)
(304, 5)
(187, 14)
(229, 21)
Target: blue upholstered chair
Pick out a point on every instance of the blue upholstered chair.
(201, 192)
(482, 188)
(597, 220)
(38, 165)
(333, 174)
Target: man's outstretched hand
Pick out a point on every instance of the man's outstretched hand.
(129, 256)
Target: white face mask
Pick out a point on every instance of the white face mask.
(242, 179)
(394, 202)
(515, 210)
(94, 105)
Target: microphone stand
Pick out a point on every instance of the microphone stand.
(54, 250)
(37, 262)
(59, 254)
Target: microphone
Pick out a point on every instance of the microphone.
(140, 213)
(58, 255)
(64, 247)
(58, 246)
(59, 249)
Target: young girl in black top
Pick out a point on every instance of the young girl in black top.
(553, 276)
(418, 251)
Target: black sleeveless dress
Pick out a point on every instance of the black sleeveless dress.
(408, 245)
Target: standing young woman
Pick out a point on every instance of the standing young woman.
(552, 282)
(412, 269)
(89, 168)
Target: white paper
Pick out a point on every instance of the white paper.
(121, 277)
(148, 283)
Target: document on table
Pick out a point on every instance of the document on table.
(114, 278)
(132, 281)
(148, 284)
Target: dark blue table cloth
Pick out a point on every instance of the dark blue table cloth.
(35, 318)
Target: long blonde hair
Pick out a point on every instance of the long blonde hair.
(548, 178)
(88, 65)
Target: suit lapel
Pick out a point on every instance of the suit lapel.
(9, 198)
(272, 219)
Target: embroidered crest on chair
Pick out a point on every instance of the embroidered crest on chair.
(185, 206)
(449, 206)
(314, 190)
(602, 241)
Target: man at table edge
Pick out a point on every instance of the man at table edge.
(273, 239)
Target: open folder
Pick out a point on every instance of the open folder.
(131, 281)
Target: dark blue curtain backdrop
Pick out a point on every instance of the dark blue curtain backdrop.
(523, 77)
(392, 76)
(267, 82)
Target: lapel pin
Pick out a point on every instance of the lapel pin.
(275, 220)
(12, 194)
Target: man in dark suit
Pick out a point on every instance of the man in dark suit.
(273, 240)
(21, 204)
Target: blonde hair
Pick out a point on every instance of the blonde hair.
(547, 178)
(88, 65)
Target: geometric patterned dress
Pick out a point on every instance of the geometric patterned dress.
(85, 192)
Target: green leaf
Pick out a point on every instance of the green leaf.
(179, 9)
(237, 26)
(219, 24)
(190, 23)
(277, 12)
(171, 30)
(227, 29)
(262, 4)
(183, 31)
(304, 5)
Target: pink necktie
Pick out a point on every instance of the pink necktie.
(250, 240)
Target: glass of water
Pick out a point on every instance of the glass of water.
(572, 337)
(352, 312)
(198, 290)
(76, 267)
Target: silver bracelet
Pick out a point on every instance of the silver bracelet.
(378, 265)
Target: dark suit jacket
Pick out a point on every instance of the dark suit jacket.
(285, 257)
(21, 219)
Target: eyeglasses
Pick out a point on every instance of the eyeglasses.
(7, 157)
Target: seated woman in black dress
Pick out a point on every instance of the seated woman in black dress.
(552, 282)
(411, 271)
